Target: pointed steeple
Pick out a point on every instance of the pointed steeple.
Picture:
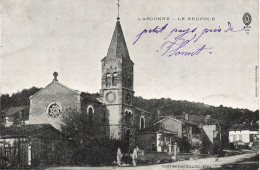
(117, 47)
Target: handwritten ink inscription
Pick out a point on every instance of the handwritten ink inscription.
(177, 39)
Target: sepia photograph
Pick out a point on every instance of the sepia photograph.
(129, 84)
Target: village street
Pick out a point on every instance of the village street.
(187, 164)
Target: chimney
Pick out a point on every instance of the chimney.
(186, 116)
(158, 112)
(207, 118)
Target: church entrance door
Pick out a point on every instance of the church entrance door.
(127, 137)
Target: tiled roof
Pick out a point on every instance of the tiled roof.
(200, 120)
(22, 130)
(245, 127)
(156, 129)
(162, 118)
(11, 111)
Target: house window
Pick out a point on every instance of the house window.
(234, 138)
(142, 123)
(251, 137)
(240, 137)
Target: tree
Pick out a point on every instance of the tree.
(92, 145)
(79, 126)
(17, 99)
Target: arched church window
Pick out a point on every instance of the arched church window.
(142, 123)
(108, 79)
(127, 116)
(54, 110)
(114, 79)
(90, 112)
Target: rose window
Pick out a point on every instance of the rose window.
(54, 110)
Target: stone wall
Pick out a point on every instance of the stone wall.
(145, 140)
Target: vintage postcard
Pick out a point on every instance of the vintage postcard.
(129, 84)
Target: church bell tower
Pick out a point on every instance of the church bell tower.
(117, 87)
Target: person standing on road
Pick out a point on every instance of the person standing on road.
(134, 155)
(119, 156)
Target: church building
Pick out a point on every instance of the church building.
(116, 96)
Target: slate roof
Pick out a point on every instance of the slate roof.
(245, 127)
(11, 111)
(22, 130)
(117, 47)
(57, 82)
(139, 109)
(85, 96)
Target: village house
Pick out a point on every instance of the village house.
(202, 132)
(34, 144)
(244, 134)
(15, 116)
(160, 135)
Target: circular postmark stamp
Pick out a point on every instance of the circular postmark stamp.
(247, 18)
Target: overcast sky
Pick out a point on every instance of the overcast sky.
(72, 36)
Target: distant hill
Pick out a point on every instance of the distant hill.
(17, 99)
(166, 106)
(171, 107)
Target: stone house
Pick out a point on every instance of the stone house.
(31, 145)
(15, 116)
(201, 131)
(160, 135)
(156, 139)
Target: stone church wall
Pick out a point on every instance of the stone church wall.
(147, 117)
(100, 115)
(54, 93)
